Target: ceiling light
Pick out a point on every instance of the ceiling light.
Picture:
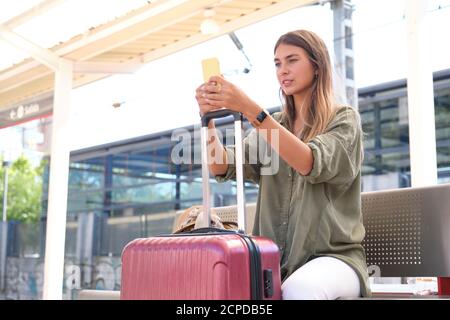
(209, 25)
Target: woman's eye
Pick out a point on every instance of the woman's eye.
(292, 60)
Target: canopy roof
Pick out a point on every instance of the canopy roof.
(151, 30)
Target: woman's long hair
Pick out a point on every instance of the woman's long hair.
(322, 105)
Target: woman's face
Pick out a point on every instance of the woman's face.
(295, 72)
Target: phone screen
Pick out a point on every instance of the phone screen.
(211, 67)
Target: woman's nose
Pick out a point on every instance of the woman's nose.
(282, 71)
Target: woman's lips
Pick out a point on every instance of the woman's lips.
(287, 83)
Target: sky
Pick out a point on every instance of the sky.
(160, 96)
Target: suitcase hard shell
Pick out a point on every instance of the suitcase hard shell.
(215, 265)
(206, 263)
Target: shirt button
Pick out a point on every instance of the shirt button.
(284, 223)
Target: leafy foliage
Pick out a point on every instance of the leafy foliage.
(24, 190)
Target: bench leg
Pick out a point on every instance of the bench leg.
(443, 286)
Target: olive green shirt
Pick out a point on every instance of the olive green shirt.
(314, 215)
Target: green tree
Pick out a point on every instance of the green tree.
(24, 190)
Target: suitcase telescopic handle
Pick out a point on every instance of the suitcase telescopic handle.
(219, 114)
(205, 119)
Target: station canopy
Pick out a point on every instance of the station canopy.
(103, 37)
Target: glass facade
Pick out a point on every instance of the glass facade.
(442, 113)
(386, 143)
(384, 116)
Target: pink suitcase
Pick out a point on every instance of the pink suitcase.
(207, 263)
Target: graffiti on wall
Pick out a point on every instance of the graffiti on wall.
(25, 277)
(104, 274)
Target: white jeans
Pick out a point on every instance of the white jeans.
(323, 278)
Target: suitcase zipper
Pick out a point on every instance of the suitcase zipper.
(255, 268)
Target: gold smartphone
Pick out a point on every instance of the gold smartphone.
(211, 67)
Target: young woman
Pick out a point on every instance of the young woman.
(311, 207)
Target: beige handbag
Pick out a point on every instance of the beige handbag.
(190, 219)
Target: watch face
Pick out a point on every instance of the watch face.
(261, 116)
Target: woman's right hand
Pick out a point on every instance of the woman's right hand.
(200, 93)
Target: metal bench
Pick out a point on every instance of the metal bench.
(408, 233)
(98, 295)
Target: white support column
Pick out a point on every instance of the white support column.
(344, 75)
(422, 134)
(58, 185)
(59, 161)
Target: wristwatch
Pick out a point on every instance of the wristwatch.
(260, 118)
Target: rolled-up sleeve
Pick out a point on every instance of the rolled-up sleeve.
(337, 153)
(251, 168)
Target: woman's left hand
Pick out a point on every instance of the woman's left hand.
(223, 94)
